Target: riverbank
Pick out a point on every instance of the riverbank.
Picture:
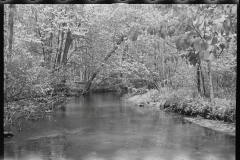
(37, 106)
(219, 117)
(18, 112)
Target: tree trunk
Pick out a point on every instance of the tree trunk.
(49, 51)
(67, 46)
(203, 81)
(155, 56)
(199, 78)
(58, 42)
(210, 81)
(10, 25)
(125, 50)
(89, 83)
(60, 49)
(87, 87)
(163, 64)
(40, 35)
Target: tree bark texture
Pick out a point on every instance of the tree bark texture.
(60, 49)
(67, 46)
(10, 25)
(210, 81)
(203, 81)
(199, 78)
(58, 42)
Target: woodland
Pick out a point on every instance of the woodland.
(185, 52)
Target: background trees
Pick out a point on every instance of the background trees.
(173, 46)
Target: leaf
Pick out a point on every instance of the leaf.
(195, 23)
(176, 58)
(211, 57)
(222, 19)
(194, 40)
(190, 22)
(166, 60)
(153, 32)
(188, 28)
(214, 41)
(204, 46)
(201, 26)
(150, 29)
(178, 43)
(181, 17)
(189, 14)
(202, 33)
(162, 35)
(171, 33)
(214, 28)
(235, 27)
(227, 8)
(135, 36)
(234, 9)
(222, 45)
(222, 30)
(219, 26)
(185, 45)
(194, 62)
(197, 46)
(208, 37)
(229, 24)
(205, 55)
(201, 54)
(131, 30)
(201, 19)
(191, 34)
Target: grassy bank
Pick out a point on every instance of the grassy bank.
(182, 102)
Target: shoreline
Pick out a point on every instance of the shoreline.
(145, 100)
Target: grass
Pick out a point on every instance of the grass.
(188, 102)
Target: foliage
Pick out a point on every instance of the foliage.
(166, 47)
(224, 110)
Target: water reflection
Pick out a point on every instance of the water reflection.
(101, 126)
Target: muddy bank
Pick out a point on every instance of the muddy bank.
(147, 100)
(227, 128)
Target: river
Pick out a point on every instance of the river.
(104, 127)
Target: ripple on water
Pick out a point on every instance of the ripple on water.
(58, 133)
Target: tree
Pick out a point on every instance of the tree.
(10, 24)
(85, 42)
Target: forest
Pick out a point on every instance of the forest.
(187, 53)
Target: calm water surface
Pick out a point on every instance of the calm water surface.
(103, 127)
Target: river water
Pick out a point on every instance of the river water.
(104, 127)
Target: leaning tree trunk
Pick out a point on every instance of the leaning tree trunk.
(125, 50)
(87, 87)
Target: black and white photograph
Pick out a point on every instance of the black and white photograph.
(119, 81)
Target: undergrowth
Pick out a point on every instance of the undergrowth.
(188, 102)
